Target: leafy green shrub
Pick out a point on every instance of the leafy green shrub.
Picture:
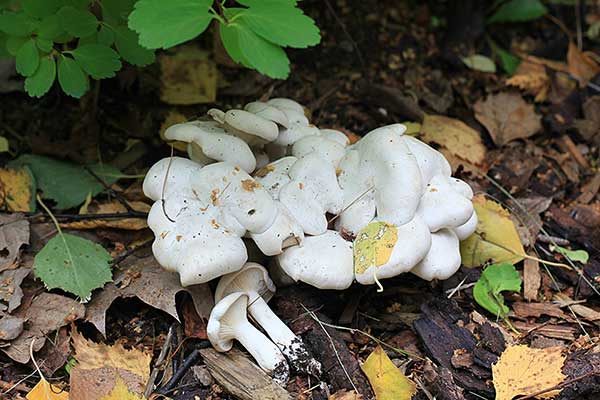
(76, 40)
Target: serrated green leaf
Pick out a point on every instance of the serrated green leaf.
(39, 83)
(66, 183)
(230, 40)
(508, 61)
(581, 256)
(79, 23)
(163, 24)
(495, 279)
(14, 43)
(251, 3)
(64, 38)
(73, 264)
(116, 10)
(16, 24)
(44, 44)
(41, 8)
(282, 25)
(266, 57)
(106, 36)
(50, 27)
(97, 60)
(28, 58)
(71, 77)
(518, 11)
(126, 42)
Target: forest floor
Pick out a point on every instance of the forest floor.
(529, 142)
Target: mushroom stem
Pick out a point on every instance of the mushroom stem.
(266, 353)
(290, 345)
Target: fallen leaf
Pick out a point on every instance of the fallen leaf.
(194, 325)
(17, 190)
(47, 313)
(113, 207)
(373, 245)
(579, 309)
(521, 370)
(495, 237)
(532, 78)
(458, 139)
(14, 232)
(44, 390)
(532, 279)
(581, 256)
(145, 279)
(507, 117)
(581, 66)
(386, 379)
(479, 62)
(189, 76)
(10, 288)
(495, 279)
(121, 392)
(10, 327)
(99, 367)
(55, 353)
(344, 394)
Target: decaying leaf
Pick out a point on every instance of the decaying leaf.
(344, 394)
(14, 232)
(188, 77)
(373, 245)
(113, 207)
(522, 370)
(17, 190)
(145, 279)
(99, 368)
(10, 288)
(386, 379)
(532, 78)
(507, 117)
(581, 66)
(10, 327)
(456, 138)
(495, 237)
(44, 390)
(121, 392)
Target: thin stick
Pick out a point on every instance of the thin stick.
(164, 188)
(351, 204)
(559, 386)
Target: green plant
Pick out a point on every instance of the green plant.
(75, 40)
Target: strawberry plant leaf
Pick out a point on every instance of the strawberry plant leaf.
(50, 27)
(116, 11)
(44, 44)
(41, 8)
(73, 264)
(126, 42)
(106, 36)
(39, 83)
(14, 44)
(28, 58)
(71, 77)
(164, 24)
(79, 23)
(97, 60)
(495, 279)
(518, 11)
(16, 24)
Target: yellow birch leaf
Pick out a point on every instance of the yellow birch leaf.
(121, 392)
(495, 237)
(112, 207)
(386, 379)
(373, 245)
(521, 370)
(44, 390)
(16, 190)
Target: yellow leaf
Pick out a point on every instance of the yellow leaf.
(44, 390)
(112, 207)
(532, 78)
(412, 128)
(495, 237)
(386, 379)
(373, 245)
(16, 189)
(521, 370)
(120, 392)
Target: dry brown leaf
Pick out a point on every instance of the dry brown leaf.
(581, 66)
(507, 117)
(113, 207)
(344, 394)
(14, 232)
(10, 327)
(188, 77)
(532, 279)
(532, 78)
(521, 370)
(10, 288)
(16, 190)
(456, 138)
(100, 366)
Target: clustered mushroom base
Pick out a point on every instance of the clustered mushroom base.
(327, 212)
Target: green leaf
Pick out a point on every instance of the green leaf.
(39, 83)
(252, 50)
(116, 10)
(50, 27)
(14, 44)
(106, 36)
(41, 8)
(79, 23)
(28, 58)
(3, 50)
(574, 255)
(509, 62)
(66, 183)
(282, 25)
(481, 63)
(16, 24)
(97, 60)
(126, 42)
(251, 3)
(164, 24)
(495, 279)
(44, 44)
(3, 144)
(518, 11)
(71, 77)
(73, 264)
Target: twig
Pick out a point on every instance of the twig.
(164, 188)
(187, 364)
(559, 386)
(159, 361)
(118, 196)
(343, 26)
(80, 217)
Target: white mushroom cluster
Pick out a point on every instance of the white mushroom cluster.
(327, 212)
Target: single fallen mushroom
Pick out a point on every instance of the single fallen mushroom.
(253, 129)
(253, 279)
(228, 321)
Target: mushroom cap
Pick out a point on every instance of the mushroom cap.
(442, 207)
(283, 232)
(461, 187)
(252, 278)
(443, 258)
(468, 228)
(283, 103)
(413, 241)
(225, 315)
(297, 130)
(323, 261)
(275, 175)
(180, 170)
(251, 127)
(327, 149)
(336, 136)
(269, 112)
(431, 162)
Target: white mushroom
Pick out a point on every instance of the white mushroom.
(468, 228)
(284, 232)
(269, 112)
(254, 280)
(275, 175)
(324, 261)
(431, 162)
(253, 129)
(443, 258)
(228, 321)
(327, 149)
(286, 104)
